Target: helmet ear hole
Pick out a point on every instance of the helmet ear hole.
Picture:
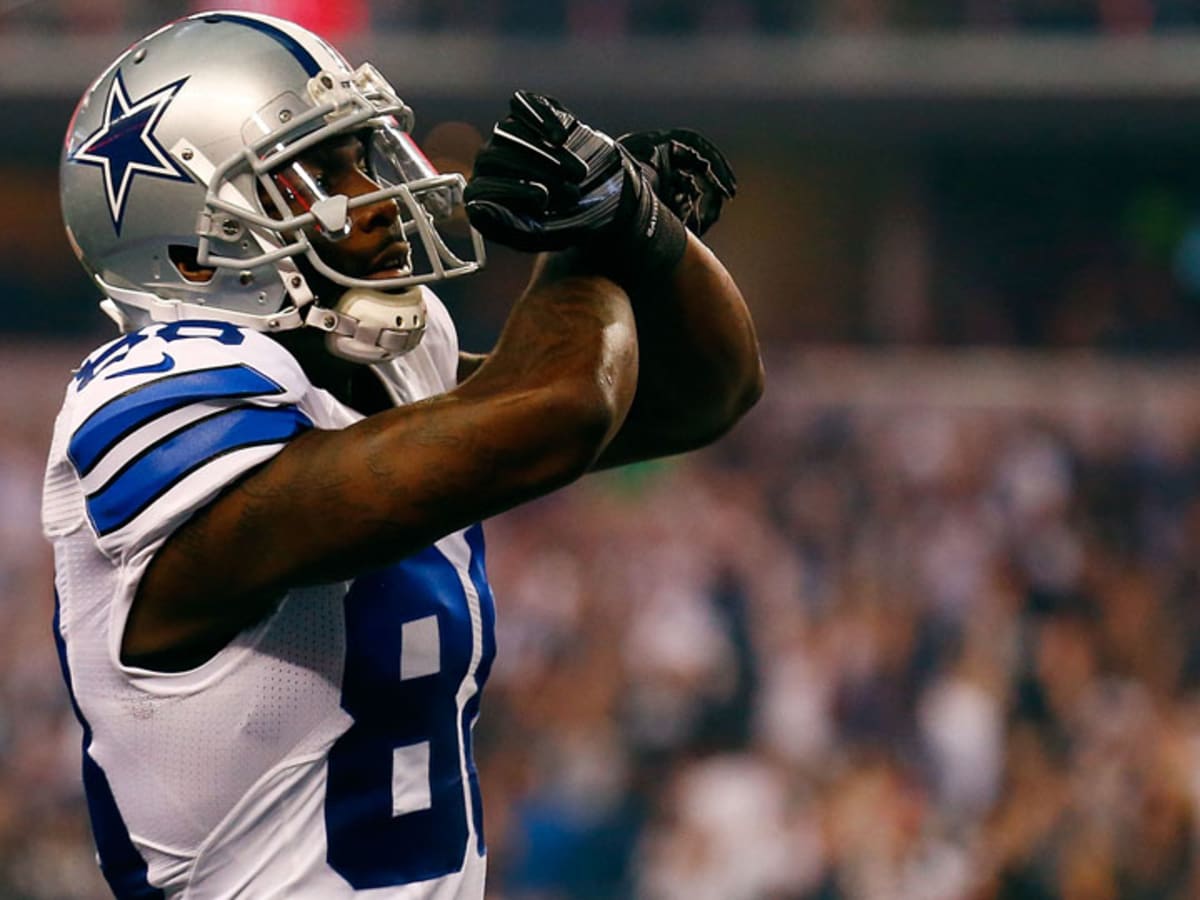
(183, 258)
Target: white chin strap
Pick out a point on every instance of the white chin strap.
(369, 326)
(365, 326)
(157, 309)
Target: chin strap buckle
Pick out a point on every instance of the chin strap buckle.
(371, 326)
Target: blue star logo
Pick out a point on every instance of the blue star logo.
(125, 146)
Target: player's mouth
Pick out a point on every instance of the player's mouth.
(391, 262)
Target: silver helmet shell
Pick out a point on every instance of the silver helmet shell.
(174, 145)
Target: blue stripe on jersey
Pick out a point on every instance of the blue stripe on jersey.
(289, 43)
(122, 865)
(161, 465)
(141, 405)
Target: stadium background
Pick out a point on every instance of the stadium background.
(926, 625)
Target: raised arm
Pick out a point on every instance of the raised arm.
(536, 415)
(700, 368)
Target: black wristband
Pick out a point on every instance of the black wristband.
(648, 246)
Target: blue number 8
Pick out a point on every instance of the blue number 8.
(396, 810)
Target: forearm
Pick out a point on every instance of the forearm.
(703, 369)
(575, 335)
(700, 368)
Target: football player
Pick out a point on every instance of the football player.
(272, 608)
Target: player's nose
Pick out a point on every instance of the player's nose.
(383, 213)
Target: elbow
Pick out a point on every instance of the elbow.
(583, 419)
(725, 407)
(749, 390)
(739, 397)
(596, 415)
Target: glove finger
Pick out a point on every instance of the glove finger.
(541, 126)
(502, 226)
(565, 196)
(511, 129)
(642, 144)
(544, 115)
(518, 195)
(511, 161)
(690, 149)
(496, 223)
(522, 188)
(697, 201)
(510, 152)
(679, 149)
(687, 201)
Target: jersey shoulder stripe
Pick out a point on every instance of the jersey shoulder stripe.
(137, 407)
(163, 464)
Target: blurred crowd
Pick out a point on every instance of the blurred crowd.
(592, 18)
(882, 644)
(921, 627)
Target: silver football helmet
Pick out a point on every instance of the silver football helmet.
(191, 146)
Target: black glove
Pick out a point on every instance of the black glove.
(688, 173)
(546, 181)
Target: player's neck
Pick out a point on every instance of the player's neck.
(322, 368)
(351, 383)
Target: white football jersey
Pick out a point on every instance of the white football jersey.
(325, 752)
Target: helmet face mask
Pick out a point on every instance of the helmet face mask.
(210, 134)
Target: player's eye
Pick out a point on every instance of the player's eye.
(343, 164)
(353, 158)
